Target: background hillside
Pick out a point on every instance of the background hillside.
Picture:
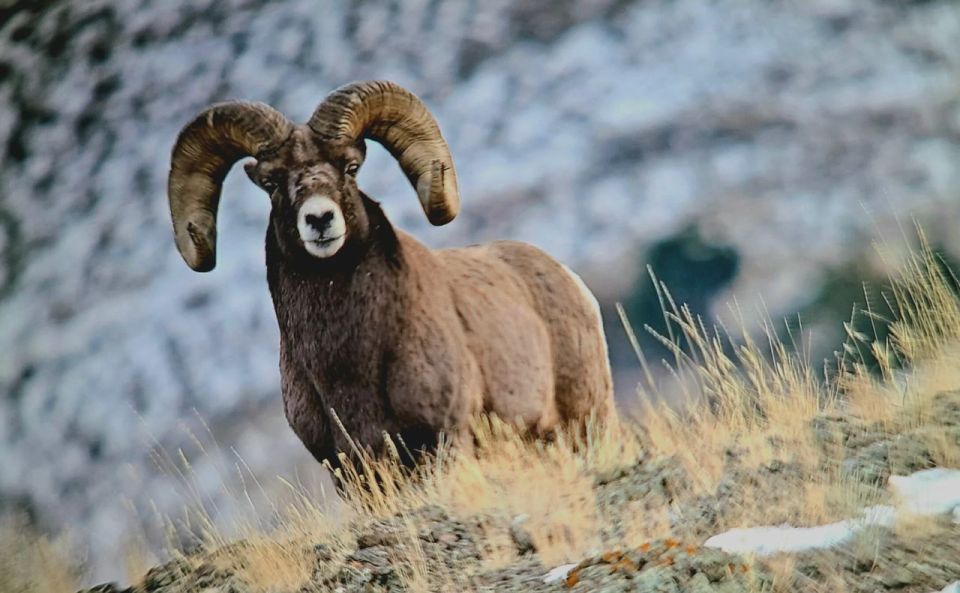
(743, 147)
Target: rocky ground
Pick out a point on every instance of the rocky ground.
(496, 552)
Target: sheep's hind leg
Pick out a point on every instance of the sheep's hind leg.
(584, 382)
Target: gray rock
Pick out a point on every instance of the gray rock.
(379, 533)
(870, 465)
(655, 580)
(521, 538)
(108, 588)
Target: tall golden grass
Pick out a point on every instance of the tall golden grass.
(31, 563)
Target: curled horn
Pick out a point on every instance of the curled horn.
(205, 150)
(397, 119)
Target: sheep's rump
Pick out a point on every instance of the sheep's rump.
(536, 332)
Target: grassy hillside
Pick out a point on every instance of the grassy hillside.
(761, 437)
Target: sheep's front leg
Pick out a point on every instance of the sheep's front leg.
(304, 409)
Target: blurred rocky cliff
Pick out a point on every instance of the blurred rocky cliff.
(780, 135)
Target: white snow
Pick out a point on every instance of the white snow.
(764, 541)
(953, 587)
(559, 573)
(927, 492)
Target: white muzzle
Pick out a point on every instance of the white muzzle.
(321, 226)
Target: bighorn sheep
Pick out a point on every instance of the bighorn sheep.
(395, 337)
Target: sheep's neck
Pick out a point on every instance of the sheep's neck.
(340, 321)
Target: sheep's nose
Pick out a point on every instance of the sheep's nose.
(319, 223)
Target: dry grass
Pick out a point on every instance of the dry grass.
(560, 509)
(749, 401)
(549, 487)
(759, 399)
(269, 545)
(31, 563)
(748, 405)
(924, 339)
(736, 394)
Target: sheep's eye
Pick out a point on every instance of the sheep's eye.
(352, 169)
(269, 185)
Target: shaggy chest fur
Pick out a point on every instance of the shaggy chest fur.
(326, 320)
(341, 331)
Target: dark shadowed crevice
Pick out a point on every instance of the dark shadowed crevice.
(697, 131)
(31, 112)
(538, 21)
(33, 9)
(12, 255)
(181, 370)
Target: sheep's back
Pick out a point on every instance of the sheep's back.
(505, 334)
(543, 318)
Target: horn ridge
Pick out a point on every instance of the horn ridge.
(205, 149)
(387, 113)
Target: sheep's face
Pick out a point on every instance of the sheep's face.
(312, 184)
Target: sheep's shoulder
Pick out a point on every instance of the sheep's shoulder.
(431, 379)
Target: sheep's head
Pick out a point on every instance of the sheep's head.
(309, 171)
(315, 203)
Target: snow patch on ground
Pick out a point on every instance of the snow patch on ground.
(765, 541)
(559, 573)
(927, 492)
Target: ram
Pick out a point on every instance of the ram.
(392, 337)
